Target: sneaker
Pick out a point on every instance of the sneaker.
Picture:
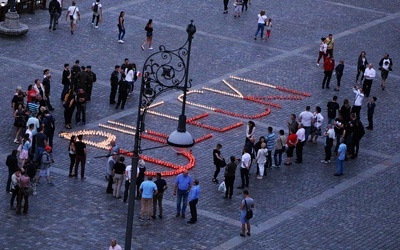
(259, 177)
(317, 64)
(50, 27)
(96, 27)
(92, 25)
(122, 41)
(142, 47)
(141, 219)
(274, 166)
(16, 141)
(50, 184)
(153, 216)
(151, 48)
(323, 161)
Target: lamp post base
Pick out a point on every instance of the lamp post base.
(11, 25)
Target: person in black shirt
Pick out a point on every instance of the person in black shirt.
(66, 81)
(118, 171)
(339, 73)
(89, 84)
(80, 151)
(219, 162)
(12, 164)
(230, 171)
(332, 107)
(158, 197)
(80, 102)
(74, 73)
(122, 92)
(114, 84)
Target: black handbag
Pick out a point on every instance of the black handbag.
(249, 212)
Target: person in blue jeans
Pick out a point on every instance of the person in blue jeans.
(260, 24)
(183, 184)
(121, 27)
(341, 155)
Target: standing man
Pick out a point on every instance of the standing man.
(82, 79)
(218, 161)
(54, 10)
(330, 136)
(109, 170)
(80, 148)
(114, 148)
(47, 160)
(332, 107)
(49, 126)
(301, 138)
(89, 84)
(230, 171)
(339, 73)
(270, 141)
(114, 245)
(329, 65)
(97, 9)
(114, 79)
(371, 108)
(73, 14)
(147, 190)
(122, 92)
(66, 81)
(158, 197)
(330, 44)
(292, 124)
(357, 101)
(12, 164)
(341, 154)
(385, 65)
(246, 205)
(369, 75)
(80, 107)
(74, 74)
(244, 169)
(306, 118)
(193, 200)
(47, 87)
(41, 143)
(183, 184)
(226, 2)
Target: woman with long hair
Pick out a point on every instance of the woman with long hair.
(250, 130)
(19, 122)
(149, 34)
(361, 65)
(121, 27)
(69, 107)
(24, 149)
(72, 155)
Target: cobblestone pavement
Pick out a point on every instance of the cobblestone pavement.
(297, 207)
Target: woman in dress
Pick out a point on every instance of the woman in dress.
(261, 18)
(149, 34)
(361, 65)
(121, 27)
(25, 146)
(19, 122)
(72, 155)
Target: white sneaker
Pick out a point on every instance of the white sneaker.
(274, 166)
(317, 64)
(142, 47)
(323, 161)
(16, 141)
(151, 48)
(96, 27)
(120, 41)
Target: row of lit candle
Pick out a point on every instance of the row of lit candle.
(265, 113)
(296, 92)
(102, 145)
(197, 117)
(203, 138)
(257, 100)
(163, 115)
(121, 124)
(278, 97)
(222, 92)
(232, 88)
(253, 81)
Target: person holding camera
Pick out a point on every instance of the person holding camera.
(357, 101)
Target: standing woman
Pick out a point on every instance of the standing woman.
(149, 34)
(19, 122)
(25, 146)
(261, 160)
(226, 2)
(250, 130)
(291, 143)
(69, 107)
(72, 154)
(261, 18)
(361, 65)
(218, 161)
(339, 73)
(121, 27)
(279, 148)
(317, 124)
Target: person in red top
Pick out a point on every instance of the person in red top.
(329, 65)
(291, 143)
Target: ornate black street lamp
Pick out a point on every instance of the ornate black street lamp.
(162, 71)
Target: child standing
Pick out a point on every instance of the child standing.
(268, 25)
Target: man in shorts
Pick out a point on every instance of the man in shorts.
(73, 14)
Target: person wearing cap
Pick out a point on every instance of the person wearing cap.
(74, 73)
(47, 160)
(90, 80)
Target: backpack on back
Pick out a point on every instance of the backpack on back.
(95, 7)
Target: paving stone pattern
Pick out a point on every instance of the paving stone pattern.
(297, 207)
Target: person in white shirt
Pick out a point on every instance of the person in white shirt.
(317, 122)
(244, 169)
(357, 101)
(261, 19)
(114, 245)
(305, 118)
(385, 65)
(369, 75)
(97, 9)
(250, 130)
(73, 14)
(301, 138)
(322, 50)
(261, 159)
(330, 136)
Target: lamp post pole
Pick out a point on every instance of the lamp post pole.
(166, 70)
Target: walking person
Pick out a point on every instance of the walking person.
(371, 108)
(97, 9)
(81, 152)
(24, 184)
(229, 176)
(55, 11)
(114, 79)
(74, 15)
(121, 27)
(268, 26)
(361, 65)
(261, 19)
(118, 171)
(385, 65)
(158, 197)
(72, 155)
(147, 190)
(339, 73)
(149, 34)
(47, 160)
(246, 205)
(193, 200)
(226, 2)
(369, 76)
(329, 65)
(183, 184)
(219, 162)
